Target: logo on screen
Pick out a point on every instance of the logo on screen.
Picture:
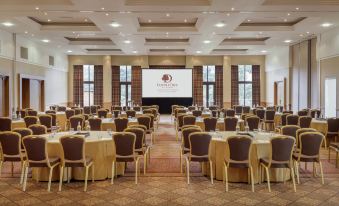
(166, 78)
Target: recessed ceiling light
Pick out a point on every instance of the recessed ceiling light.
(36, 8)
(288, 14)
(85, 20)
(213, 33)
(45, 40)
(106, 14)
(285, 20)
(263, 51)
(228, 14)
(48, 20)
(260, 32)
(307, 32)
(134, 52)
(326, 24)
(102, 8)
(32, 34)
(232, 8)
(69, 51)
(115, 24)
(220, 24)
(248, 20)
(168, 15)
(26, 32)
(8, 24)
(185, 20)
(149, 21)
(288, 41)
(301, 35)
(207, 41)
(127, 41)
(297, 8)
(198, 52)
(45, 13)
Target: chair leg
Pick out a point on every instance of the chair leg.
(285, 174)
(1, 162)
(61, 177)
(136, 171)
(314, 170)
(188, 171)
(25, 179)
(12, 169)
(93, 172)
(68, 174)
(321, 172)
(145, 162)
(211, 171)
(337, 159)
(50, 178)
(252, 179)
(329, 154)
(86, 178)
(268, 179)
(113, 171)
(297, 171)
(22, 171)
(293, 179)
(180, 161)
(226, 177)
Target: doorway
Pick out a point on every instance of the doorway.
(32, 93)
(280, 93)
(330, 97)
(4, 96)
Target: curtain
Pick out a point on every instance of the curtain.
(136, 84)
(197, 86)
(234, 85)
(115, 85)
(78, 85)
(98, 85)
(219, 88)
(255, 85)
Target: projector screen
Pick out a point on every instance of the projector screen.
(166, 83)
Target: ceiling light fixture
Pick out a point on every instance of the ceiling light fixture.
(134, 52)
(288, 41)
(8, 24)
(285, 20)
(102, 8)
(326, 24)
(198, 52)
(232, 8)
(45, 40)
(106, 14)
(69, 51)
(220, 24)
(127, 41)
(185, 20)
(26, 32)
(36, 8)
(228, 14)
(86, 20)
(307, 32)
(297, 8)
(168, 15)
(248, 20)
(115, 24)
(149, 21)
(207, 41)
(263, 51)
(288, 14)
(48, 20)
(45, 13)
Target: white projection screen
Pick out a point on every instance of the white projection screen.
(159, 83)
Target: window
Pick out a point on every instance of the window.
(208, 85)
(88, 85)
(245, 85)
(125, 84)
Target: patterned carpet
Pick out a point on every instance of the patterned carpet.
(164, 185)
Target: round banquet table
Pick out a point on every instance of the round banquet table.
(108, 123)
(260, 149)
(99, 146)
(319, 125)
(220, 124)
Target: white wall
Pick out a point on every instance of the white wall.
(328, 44)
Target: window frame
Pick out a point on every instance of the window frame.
(244, 82)
(88, 82)
(127, 84)
(207, 85)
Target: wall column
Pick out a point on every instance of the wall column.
(227, 81)
(107, 74)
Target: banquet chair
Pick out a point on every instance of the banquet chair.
(305, 121)
(61, 108)
(297, 135)
(95, 124)
(229, 113)
(310, 144)
(32, 113)
(238, 109)
(185, 145)
(173, 108)
(239, 148)
(290, 130)
(131, 113)
(102, 113)
(215, 113)
(191, 108)
(280, 156)
(38, 129)
(37, 157)
(334, 146)
(210, 124)
(271, 108)
(116, 107)
(11, 151)
(23, 133)
(279, 109)
(140, 143)
(179, 124)
(199, 152)
(287, 112)
(315, 112)
(69, 113)
(125, 152)
(230, 123)
(54, 119)
(246, 109)
(53, 107)
(74, 155)
(5, 124)
(151, 131)
(121, 123)
(214, 107)
(22, 113)
(50, 112)
(253, 122)
(254, 111)
(284, 119)
(332, 129)
(87, 110)
(46, 120)
(94, 109)
(145, 107)
(189, 120)
(137, 108)
(303, 113)
(125, 108)
(146, 120)
(75, 121)
(292, 119)
(269, 118)
(116, 113)
(77, 111)
(197, 113)
(30, 120)
(261, 114)
(201, 108)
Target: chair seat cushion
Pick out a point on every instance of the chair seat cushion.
(304, 158)
(269, 121)
(52, 161)
(274, 164)
(335, 145)
(79, 164)
(238, 164)
(332, 134)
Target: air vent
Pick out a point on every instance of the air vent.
(104, 50)
(51, 60)
(24, 53)
(301, 2)
(230, 50)
(168, 3)
(148, 40)
(167, 50)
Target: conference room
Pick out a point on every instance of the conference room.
(157, 102)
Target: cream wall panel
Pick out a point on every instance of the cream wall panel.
(192, 61)
(130, 60)
(167, 60)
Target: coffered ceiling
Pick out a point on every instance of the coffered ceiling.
(168, 27)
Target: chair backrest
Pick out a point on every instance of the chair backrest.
(87, 110)
(10, 145)
(332, 125)
(279, 108)
(124, 143)
(301, 131)
(23, 133)
(180, 118)
(230, 113)
(143, 127)
(287, 112)
(290, 130)
(130, 113)
(270, 108)
(178, 111)
(189, 120)
(120, 124)
(38, 129)
(116, 108)
(283, 119)
(70, 113)
(210, 123)
(292, 119)
(269, 115)
(314, 112)
(215, 113)
(305, 121)
(73, 149)
(5, 124)
(23, 113)
(116, 113)
(77, 111)
(137, 108)
(54, 119)
(145, 120)
(239, 147)
(32, 113)
(197, 113)
(213, 107)
(246, 109)
(139, 136)
(95, 124)
(50, 112)
(46, 120)
(261, 114)
(230, 123)
(238, 109)
(30, 120)
(125, 108)
(310, 143)
(147, 111)
(75, 120)
(61, 108)
(36, 148)
(252, 122)
(94, 109)
(102, 113)
(53, 107)
(282, 148)
(303, 113)
(191, 108)
(199, 144)
(152, 120)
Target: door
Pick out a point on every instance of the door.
(330, 97)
